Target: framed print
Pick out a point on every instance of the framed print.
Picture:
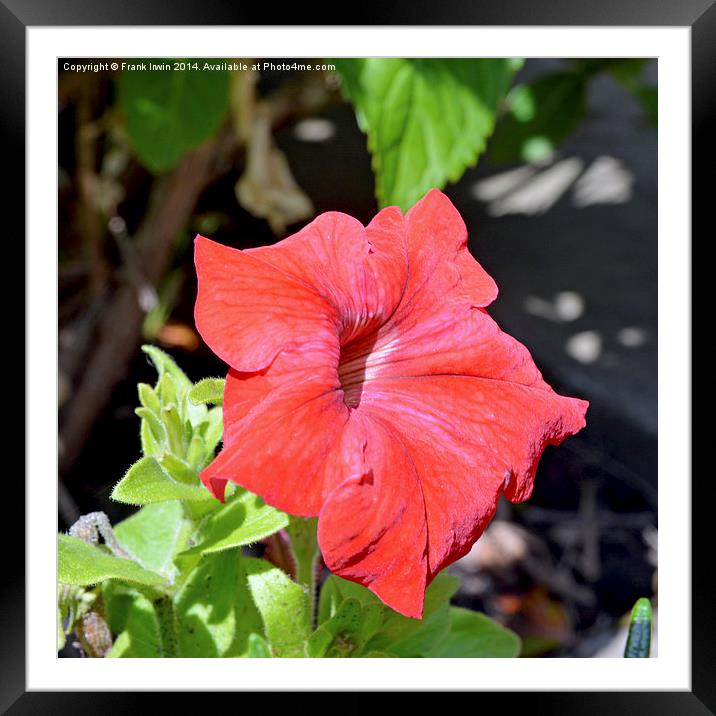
(364, 344)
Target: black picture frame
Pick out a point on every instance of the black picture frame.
(17, 15)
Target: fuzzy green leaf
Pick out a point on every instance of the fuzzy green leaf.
(164, 363)
(147, 482)
(214, 610)
(132, 618)
(149, 399)
(209, 390)
(180, 470)
(153, 535)
(213, 431)
(427, 120)
(243, 520)
(284, 607)
(83, 564)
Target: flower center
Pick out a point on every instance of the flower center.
(352, 368)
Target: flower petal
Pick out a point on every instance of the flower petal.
(359, 271)
(438, 257)
(371, 528)
(277, 448)
(451, 337)
(470, 440)
(248, 312)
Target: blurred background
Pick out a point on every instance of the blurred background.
(561, 210)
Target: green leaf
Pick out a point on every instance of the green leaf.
(258, 647)
(243, 520)
(341, 634)
(153, 535)
(214, 609)
(170, 112)
(284, 607)
(175, 429)
(197, 453)
(131, 616)
(427, 120)
(209, 390)
(395, 633)
(179, 470)
(638, 644)
(155, 427)
(151, 447)
(473, 635)
(149, 399)
(147, 482)
(82, 564)
(164, 363)
(167, 391)
(213, 431)
(541, 114)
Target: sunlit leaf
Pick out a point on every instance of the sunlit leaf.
(214, 609)
(147, 482)
(473, 635)
(82, 564)
(243, 520)
(427, 120)
(153, 535)
(284, 607)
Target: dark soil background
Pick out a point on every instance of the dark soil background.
(572, 245)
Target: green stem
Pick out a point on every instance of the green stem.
(304, 549)
(167, 627)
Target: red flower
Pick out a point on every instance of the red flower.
(369, 386)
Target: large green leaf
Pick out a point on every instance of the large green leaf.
(132, 618)
(154, 534)
(244, 519)
(541, 114)
(284, 607)
(147, 482)
(427, 120)
(411, 637)
(83, 564)
(214, 610)
(169, 112)
(473, 635)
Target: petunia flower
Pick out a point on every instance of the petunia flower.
(369, 386)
